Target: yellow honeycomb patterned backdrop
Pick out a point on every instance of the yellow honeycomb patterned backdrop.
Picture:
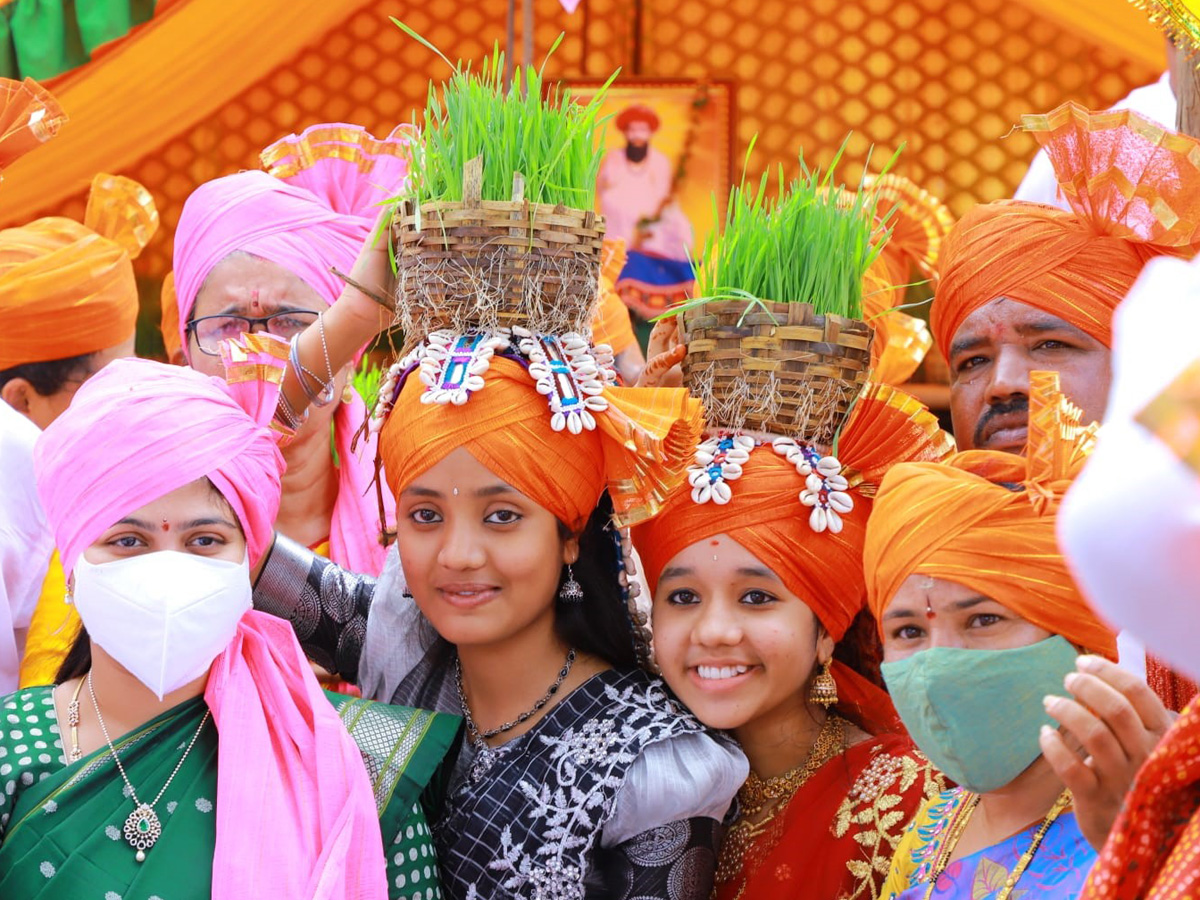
(948, 78)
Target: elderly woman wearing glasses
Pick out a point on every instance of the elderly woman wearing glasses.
(256, 251)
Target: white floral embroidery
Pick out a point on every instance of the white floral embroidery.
(567, 811)
(112, 832)
(47, 869)
(171, 806)
(50, 806)
(204, 804)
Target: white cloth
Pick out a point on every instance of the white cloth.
(1155, 101)
(692, 776)
(1130, 525)
(26, 543)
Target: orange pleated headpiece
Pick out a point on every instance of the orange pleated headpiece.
(612, 324)
(764, 513)
(1134, 192)
(919, 223)
(987, 520)
(29, 116)
(638, 450)
(68, 288)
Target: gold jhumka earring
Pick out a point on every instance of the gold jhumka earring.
(824, 689)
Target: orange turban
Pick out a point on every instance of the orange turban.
(1134, 192)
(765, 515)
(68, 289)
(986, 520)
(638, 450)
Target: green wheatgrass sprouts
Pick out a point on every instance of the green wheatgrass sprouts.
(545, 136)
(811, 245)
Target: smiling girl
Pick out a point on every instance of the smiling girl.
(579, 775)
(755, 630)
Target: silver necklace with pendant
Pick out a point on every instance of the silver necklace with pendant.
(142, 828)
(485, 756)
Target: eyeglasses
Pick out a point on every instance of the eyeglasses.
(209, 331)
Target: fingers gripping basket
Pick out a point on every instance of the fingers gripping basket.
(777, 368)
(488, 264)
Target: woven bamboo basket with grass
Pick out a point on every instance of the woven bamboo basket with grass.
(778, 368)
(488, 264)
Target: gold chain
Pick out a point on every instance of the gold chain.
(958, 825)
(772, 794)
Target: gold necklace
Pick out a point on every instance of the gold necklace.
(772, 794)
(958, 825)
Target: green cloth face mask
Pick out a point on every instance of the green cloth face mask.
(977, 713)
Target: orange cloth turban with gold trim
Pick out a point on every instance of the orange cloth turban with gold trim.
(67, 288)
(638, 451)
(766, 517)
(986, 520)
(1134, 192)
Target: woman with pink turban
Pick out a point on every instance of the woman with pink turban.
(256, 251)
(161, 486)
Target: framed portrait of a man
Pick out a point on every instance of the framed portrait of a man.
(666, 157)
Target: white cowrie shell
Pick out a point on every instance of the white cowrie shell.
(575, 424)
(595, 404)
(721, 493)
(828, 465)
(731, 470)
(697, 476)
(704, 457)
(841, 501)
(836, 483)
(808, 498)
(473, 383)
(743, 442)
(558, 421)
(458, 398)
(834, 521)
(592, 388)
(819, 520)
(521, 332)
(738, 455)
(701, 493)
(814, 482)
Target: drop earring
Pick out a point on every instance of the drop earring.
(571, 591)
(824, 689)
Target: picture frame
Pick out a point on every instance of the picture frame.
(664, 197)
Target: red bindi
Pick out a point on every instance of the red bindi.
(165, 526)
(715, 543)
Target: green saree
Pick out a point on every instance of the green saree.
(60, 825)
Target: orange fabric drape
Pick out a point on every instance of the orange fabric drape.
(179, 67)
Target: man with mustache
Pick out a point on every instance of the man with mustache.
(1026, 287)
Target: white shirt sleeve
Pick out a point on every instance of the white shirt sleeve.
(686, 777)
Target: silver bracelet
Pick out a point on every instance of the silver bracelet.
(325, 397)
(290, 419)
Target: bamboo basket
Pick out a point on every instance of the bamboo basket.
(490, 264)
(781, 370)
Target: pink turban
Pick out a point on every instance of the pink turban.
(313, 209)
(138, 430)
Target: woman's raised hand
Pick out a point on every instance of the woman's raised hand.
(1117, 721)
(665, 352)
(358, 315)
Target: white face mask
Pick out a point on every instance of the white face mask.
(164, 616)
